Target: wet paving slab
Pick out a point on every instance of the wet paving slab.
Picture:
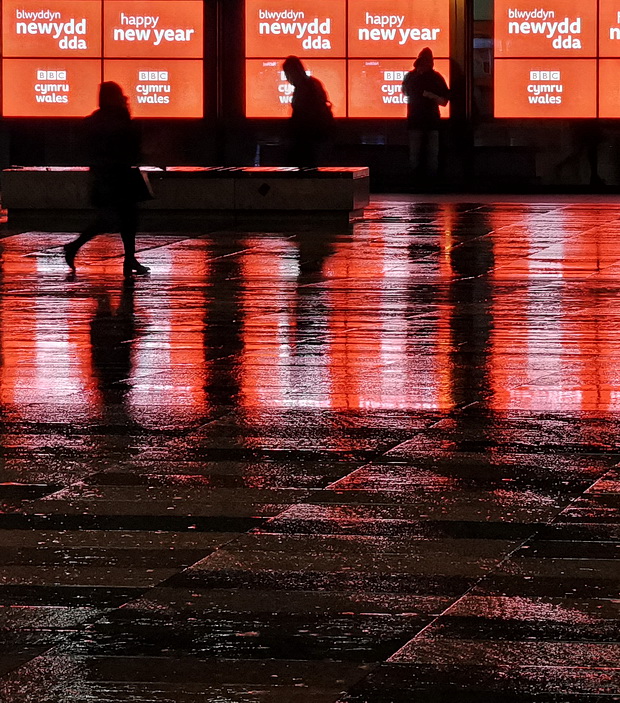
(186, 680)
(449, 684)
(368, 464)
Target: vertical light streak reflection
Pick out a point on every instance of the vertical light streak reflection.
(550, 346)
(445, 369)
(269, 361)
(382, 323)
(393, 326)
(45, 348)
(589, 380)
(511, 354)
(169, 367)
(352, 338)
(353, 344)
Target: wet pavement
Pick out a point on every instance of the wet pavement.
(371, 464)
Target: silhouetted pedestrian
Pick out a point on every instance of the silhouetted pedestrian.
(586, 137)
(425, 90)
(312, 118)
(116, 183)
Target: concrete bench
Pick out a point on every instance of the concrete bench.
(204, 192)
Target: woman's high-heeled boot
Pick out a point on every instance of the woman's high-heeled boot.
(69, 251)
(136, 267)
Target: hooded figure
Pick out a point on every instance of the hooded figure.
(425, 90)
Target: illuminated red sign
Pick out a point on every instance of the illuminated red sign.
(375, 87)
(159, 88)
(545, 88)
(56, 52)
(609, 97)
(554, 28)
(554, 59)
(609, 29)
(153, 29)
(388, 34)
(50, 87)
(398, 28)
(303, 28)
(53, 28)
(269, 94)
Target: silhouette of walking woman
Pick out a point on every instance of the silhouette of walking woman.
(312, 117)
(116, 183)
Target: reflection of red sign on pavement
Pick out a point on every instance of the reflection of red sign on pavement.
(159, 88)
(269, 94)
(50, 87)
(53, 28)
(545, 88)
(398, 28)
(375, 87)
(301, 27)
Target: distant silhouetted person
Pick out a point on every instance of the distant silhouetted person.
(586, 135)
(113, 140)
(312, 118)
(425, 90)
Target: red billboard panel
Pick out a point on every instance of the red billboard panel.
(50, 87)
(269, 94)
(545, 88)
(609, 94)
(53, 28)
(159, 88)
(375, 87)
(308, 28)
(398, 28)
(555, 28)
(153, 29)
(153, 48)
(609, 28)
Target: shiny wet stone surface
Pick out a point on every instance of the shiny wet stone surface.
(368, 464)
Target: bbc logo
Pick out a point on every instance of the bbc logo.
(152, 75)
(283, 77)
(394, 75)
(51, 75)
(545, 75)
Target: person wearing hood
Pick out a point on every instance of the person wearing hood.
(113, 141)
(425, 91)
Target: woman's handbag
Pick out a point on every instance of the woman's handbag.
(139, 185)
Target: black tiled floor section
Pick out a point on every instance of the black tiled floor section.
(376, 464)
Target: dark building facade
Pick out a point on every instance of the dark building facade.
(514, 120)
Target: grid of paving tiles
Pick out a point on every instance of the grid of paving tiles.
(368, 464)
